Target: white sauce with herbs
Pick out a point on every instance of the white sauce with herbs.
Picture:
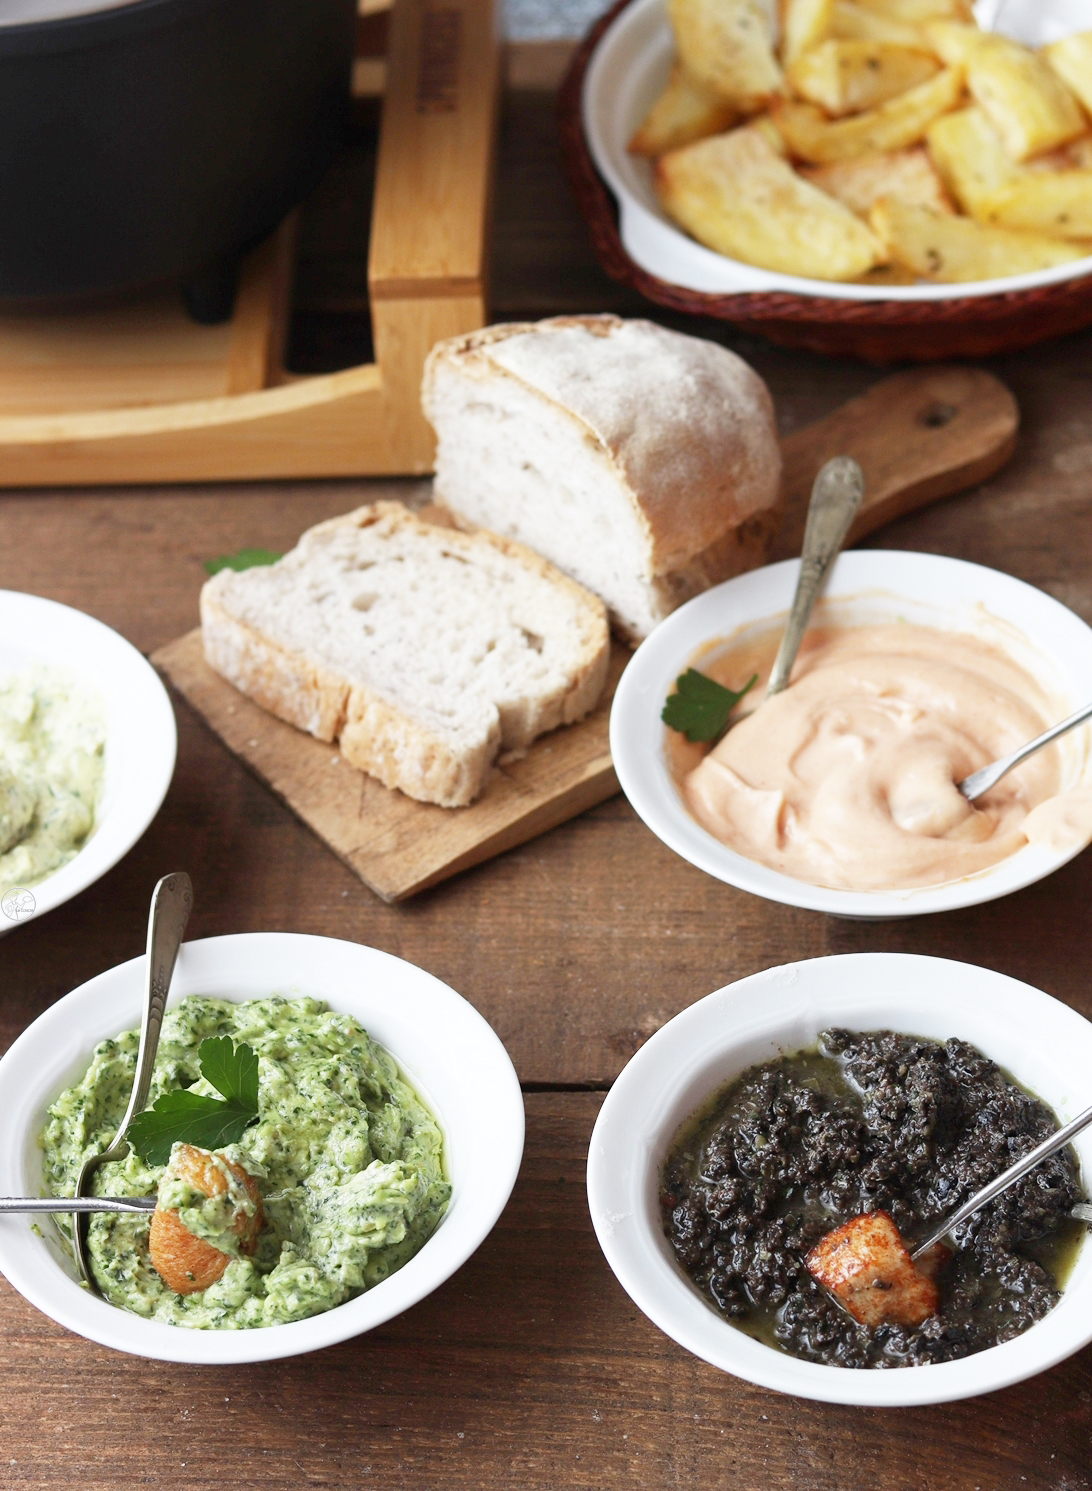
(52, 740)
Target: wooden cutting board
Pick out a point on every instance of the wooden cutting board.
(919, 436)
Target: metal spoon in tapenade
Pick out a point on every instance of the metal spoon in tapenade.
(1008, 1177)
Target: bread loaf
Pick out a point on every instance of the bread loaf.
(642, 462)
(423, 650)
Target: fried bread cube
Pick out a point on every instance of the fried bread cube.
(953, 250)
(1071, 59)
(187, 1263)
(729, 45)
(736, 195)
(906, 175)
(804, 24)
(1027, 103)
(865, 1265)
(846, 77)
(687, 110)
(900, 122)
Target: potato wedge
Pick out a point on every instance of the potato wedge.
(1050, 195)
(1028, 104)
(769, 132)
(957, 250)
(1058, 203)
(906, 175)
(888, 274)
(1071, 59)
(687, 110)
(804, 24)
(728, 44)
(852, 22)
(847, 77)
(1079, 153)
(917, 12)
(894, 125)
(735, 194)
(968, 153)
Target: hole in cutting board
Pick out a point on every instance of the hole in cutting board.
(938, 415)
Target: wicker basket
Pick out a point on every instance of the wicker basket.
(879, 331)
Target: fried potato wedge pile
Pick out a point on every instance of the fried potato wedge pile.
(882, 141)
(776, 213)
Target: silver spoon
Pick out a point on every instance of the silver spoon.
(981, 781)
(835, 500)
(171, 903)
(130, 1205)
(1007, 1177)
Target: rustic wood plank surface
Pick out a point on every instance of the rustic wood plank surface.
(575, 947)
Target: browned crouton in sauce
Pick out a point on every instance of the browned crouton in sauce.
(187, 1263)
(866, 1266)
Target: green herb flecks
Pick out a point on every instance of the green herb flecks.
(184, 1117)
(700, 707)
(241, 559)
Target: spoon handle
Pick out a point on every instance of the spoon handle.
(128, 1205)
(1007, 1177)
(171, 903)
(172, 900)
(835, 499)
(981, 781)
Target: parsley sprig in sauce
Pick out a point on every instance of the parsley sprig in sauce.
(700, 706)
(189, 1117)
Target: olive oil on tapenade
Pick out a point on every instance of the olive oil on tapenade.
(796, 1146)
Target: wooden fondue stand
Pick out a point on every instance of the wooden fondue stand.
(138, 393)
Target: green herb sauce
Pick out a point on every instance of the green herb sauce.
(348, 1160)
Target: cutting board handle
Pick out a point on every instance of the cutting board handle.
(918, 436)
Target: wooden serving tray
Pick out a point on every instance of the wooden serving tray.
(138, 393)
(919, 436)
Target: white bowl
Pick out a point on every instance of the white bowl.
(443, 1046)
(865, 586)
(625, 75)
(141, 740)
(1044, 1044)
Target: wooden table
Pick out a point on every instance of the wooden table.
(530, 1367)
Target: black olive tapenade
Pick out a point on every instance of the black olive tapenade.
(877, 1120)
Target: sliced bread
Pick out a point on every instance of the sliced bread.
(423, 650)
(642, 462)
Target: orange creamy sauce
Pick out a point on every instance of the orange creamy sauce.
(847, 778)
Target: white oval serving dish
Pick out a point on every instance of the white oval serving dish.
(446, 1050)
(1041, 1042)
(865, 585)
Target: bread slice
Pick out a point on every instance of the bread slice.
(423, 650)
(642, 462)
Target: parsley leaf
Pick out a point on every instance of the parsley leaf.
(184, 1117)
(700, 707)
(232, 1070)
(241, 559)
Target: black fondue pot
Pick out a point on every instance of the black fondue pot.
(159, 140)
